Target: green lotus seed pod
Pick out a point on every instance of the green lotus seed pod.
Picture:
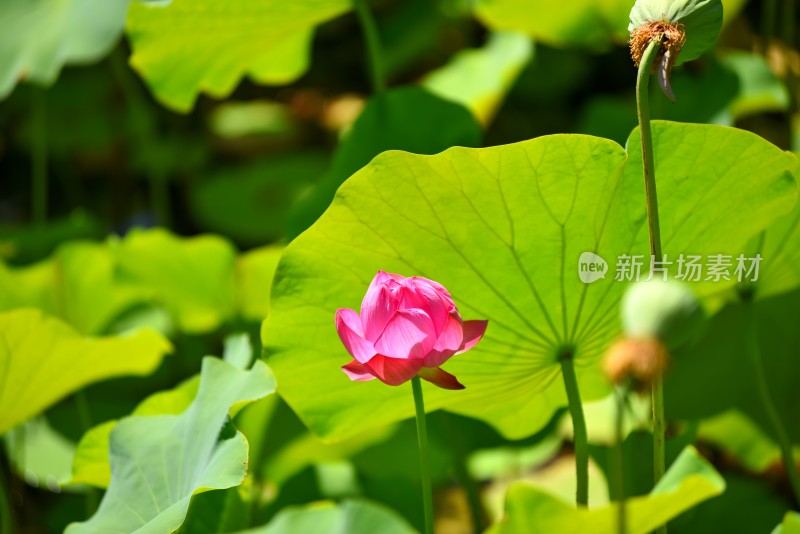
(701, 20)
(668, 311)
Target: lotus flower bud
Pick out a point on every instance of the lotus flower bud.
(407, 327)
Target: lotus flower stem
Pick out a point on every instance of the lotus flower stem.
(643, 110)
(374, 49)
(579, 425)
(39, 155)
(424, 461)
(754, 354)
(621, 395)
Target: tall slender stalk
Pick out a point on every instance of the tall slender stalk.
(374, 50)
(648, 161)
(424, 460)
(39, 185)
(648, 164)
(754, 355)
(579, 428)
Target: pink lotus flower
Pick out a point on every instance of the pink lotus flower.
(407, 327)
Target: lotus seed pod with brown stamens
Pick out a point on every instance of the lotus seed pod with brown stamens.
(641, 360)
(698, 20)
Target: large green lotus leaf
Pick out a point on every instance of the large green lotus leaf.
(267, 40)
(689, 481)
(90, 464)
(350, 516)
(194, 278)
(479, 79)
(159, 461)
(503, 228)
(43, 360)
(41, 36)
(407, 118)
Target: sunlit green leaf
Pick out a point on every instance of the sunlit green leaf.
(41, 37)
(266, 40)
(571, 22)
(690, 480)
(353, 517)
(194, 278)
(480, 78)
(43, 360)
(503, 228)
(158, 462)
